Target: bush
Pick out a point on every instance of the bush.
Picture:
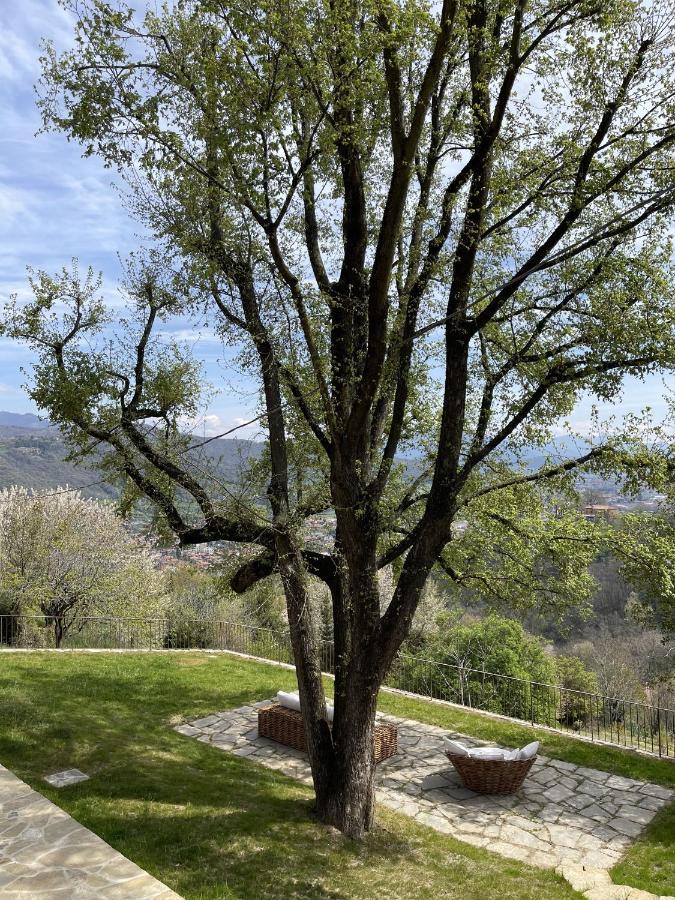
(488, 664)
(190, 635)
(572, 675)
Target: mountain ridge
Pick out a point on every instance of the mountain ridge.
(33, 454)
(22, 420)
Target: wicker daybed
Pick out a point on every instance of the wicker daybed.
(284, 725)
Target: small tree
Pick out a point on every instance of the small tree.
(67, 557)
(466, 656)
(576, 681)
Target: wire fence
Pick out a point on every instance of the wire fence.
(622, 722)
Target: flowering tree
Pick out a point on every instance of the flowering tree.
(67, 557)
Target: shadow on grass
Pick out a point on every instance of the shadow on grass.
(57, 709)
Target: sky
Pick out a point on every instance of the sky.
(55, 205)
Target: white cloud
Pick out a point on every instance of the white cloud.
(213, 424)
(198, 334)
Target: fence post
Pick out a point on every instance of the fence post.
(658, 726)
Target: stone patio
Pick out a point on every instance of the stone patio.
(44, 853)
(564, 817)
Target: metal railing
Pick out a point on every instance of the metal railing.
(622, 722)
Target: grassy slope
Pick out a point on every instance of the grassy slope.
(207, 823)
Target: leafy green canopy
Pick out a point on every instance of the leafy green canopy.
(426, 227)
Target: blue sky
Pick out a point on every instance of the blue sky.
(54, 205)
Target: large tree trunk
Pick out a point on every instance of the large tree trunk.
(346, 793)
(343, 771)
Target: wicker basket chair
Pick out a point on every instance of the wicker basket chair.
(491, 776)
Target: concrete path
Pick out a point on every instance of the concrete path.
(565, 816)
(45, 854)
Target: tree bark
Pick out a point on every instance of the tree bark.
(344, 770)
(346, 793)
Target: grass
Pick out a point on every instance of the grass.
(209, 824)
(650, 863)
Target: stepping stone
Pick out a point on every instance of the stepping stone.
(52, 855)
(584, 879)
(66, 778)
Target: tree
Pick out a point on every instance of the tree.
(577, 683)
(614, 665)
(66, 558)
(426, 227)
(486, 663)
(645, 545)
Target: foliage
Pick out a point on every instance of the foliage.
(573, 676)
(65, 557)
(585, 298)
(458, 661)
(614, 666)
(645, 544)
(199, 600)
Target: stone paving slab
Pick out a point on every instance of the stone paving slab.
(66, 778)
(45, 854)
(563, 816)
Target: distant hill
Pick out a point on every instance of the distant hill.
(22, 420)
(34, 456)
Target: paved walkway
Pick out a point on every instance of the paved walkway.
(44, 853)
(564, 816)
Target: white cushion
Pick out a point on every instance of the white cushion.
(487, 753)
(292, 701)
(455, 747)
(529, 750)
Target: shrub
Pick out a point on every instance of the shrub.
(572, 675)
(488, 664)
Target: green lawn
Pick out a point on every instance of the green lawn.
(213, 825)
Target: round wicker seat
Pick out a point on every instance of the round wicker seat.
(491, 776)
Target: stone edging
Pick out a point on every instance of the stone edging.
(596, 884)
